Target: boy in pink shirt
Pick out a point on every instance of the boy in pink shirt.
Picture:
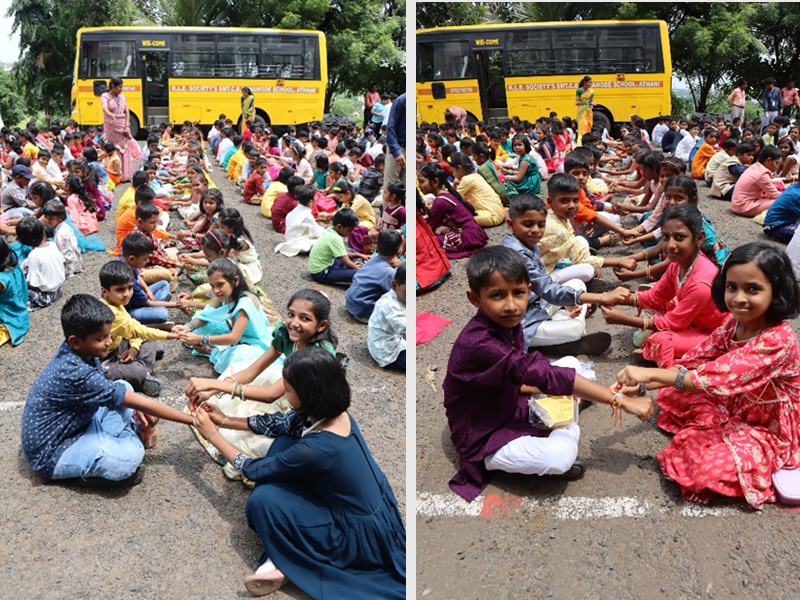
(755, 192)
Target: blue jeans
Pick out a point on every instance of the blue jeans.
(154, 314)
(20, 211)
(336, 273)
(109, 448)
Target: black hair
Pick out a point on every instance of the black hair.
(146, 210)
(149, 165)
(321, 307)
(42, 189)
(43, 152)
(144, 194)
(229, 270)
(230, 217)
(54, 208)
(729, 143)
(217, 240)
(495, 259)
(562, 182)
(397, 188)
(109, 147)
(745, 147)
(768, 152)
(114, 81)
(293, 183)
(686, 183)
(389, 242)
(84, 315)
(261, 161)
(525, 141)
(216, 196)
(380, 160)
(136, 244)
(575, 160)
(776, 267)
(400, 274)
(115, 273)
(319, 381)
(786, 140)
(321, 162)
(459, 159)
(76, 185)
(346, 217)
(652, 160)
(434, 172)
(284, 174)
(338, 167)
(708, 131)
(139, 179)
(90, 154)
(692, 218)
(305, 194)
(8, 258)
(30, 231)
(522, 203)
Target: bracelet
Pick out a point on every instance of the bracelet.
(679, 378)
(205, 340)
(210, 435)
(647, 272)
(616, 414)
(235, 388)
(645, 323)
(642, 388)
(635, 300)
(241, 391)
(191, 326)
(224, 421)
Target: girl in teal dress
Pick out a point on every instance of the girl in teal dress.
(14, 321)
(526, 179)
(233, 328)
(324, 511)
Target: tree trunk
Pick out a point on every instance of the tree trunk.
(330, 90)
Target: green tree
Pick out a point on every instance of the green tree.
(449, 14)
(12, 104)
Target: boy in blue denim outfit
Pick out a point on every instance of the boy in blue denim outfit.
(149, 304)
(76, 422)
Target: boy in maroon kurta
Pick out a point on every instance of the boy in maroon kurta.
(490, 376)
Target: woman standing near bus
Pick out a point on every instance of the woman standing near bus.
(117, 126)
(248, 107)
(584, 97)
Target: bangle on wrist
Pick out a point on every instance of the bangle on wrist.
(679, 378)
(224, 421)
(210, 435)
(205, 341)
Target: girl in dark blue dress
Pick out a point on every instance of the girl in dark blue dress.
(325, 514)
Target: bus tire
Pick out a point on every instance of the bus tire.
(472, 119)
(602, 117)
(134, 124)
(261, 117)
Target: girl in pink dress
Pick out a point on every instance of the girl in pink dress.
(733, 401)
(683, 311)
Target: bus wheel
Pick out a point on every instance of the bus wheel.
(601, 117)
(263, 121)
(134, 124)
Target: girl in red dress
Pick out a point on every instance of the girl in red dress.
(733, 401)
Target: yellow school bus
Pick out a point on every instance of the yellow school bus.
(530, 69)
(171, 74)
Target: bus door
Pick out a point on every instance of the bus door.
(488, 50)
(155, 86)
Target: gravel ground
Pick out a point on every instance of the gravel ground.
(182, 532)
(530, 550)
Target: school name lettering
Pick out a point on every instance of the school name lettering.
(522, 87)
(236, 88)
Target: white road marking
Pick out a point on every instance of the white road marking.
(571, 508)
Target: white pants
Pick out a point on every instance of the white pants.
(583, 271)
(561, 327)
(531, 455)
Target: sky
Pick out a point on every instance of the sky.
(9, 47)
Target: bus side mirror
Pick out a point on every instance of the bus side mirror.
(99, 87)
(438, 91)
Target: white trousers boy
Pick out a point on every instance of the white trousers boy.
(552, 455)
(561, 328)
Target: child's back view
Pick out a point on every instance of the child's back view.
(386, 332)
(375, 278)
(44, 267)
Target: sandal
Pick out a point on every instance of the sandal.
(265, 581)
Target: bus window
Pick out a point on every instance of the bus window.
(193, 56)
(574, 50)
(288, 57)
(101, 60)
(623, 49)
(237, 55)
(446, 60)
(528, 53)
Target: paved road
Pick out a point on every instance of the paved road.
(622, 531)
(182, 533)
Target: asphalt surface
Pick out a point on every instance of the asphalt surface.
(622, 531)
(181, 533)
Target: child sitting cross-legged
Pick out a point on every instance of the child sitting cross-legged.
(148, 303)
(374, 278)
(44, 266)
(386, 331)
(302, 229)
(556, 314)
(755, 191)
(489, 375)
(55, 215)
(76, 422)
(329, 260)
(132, 354)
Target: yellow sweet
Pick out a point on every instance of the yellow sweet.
(561, 409)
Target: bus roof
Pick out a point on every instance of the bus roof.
(501, 26)
(194, 29)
